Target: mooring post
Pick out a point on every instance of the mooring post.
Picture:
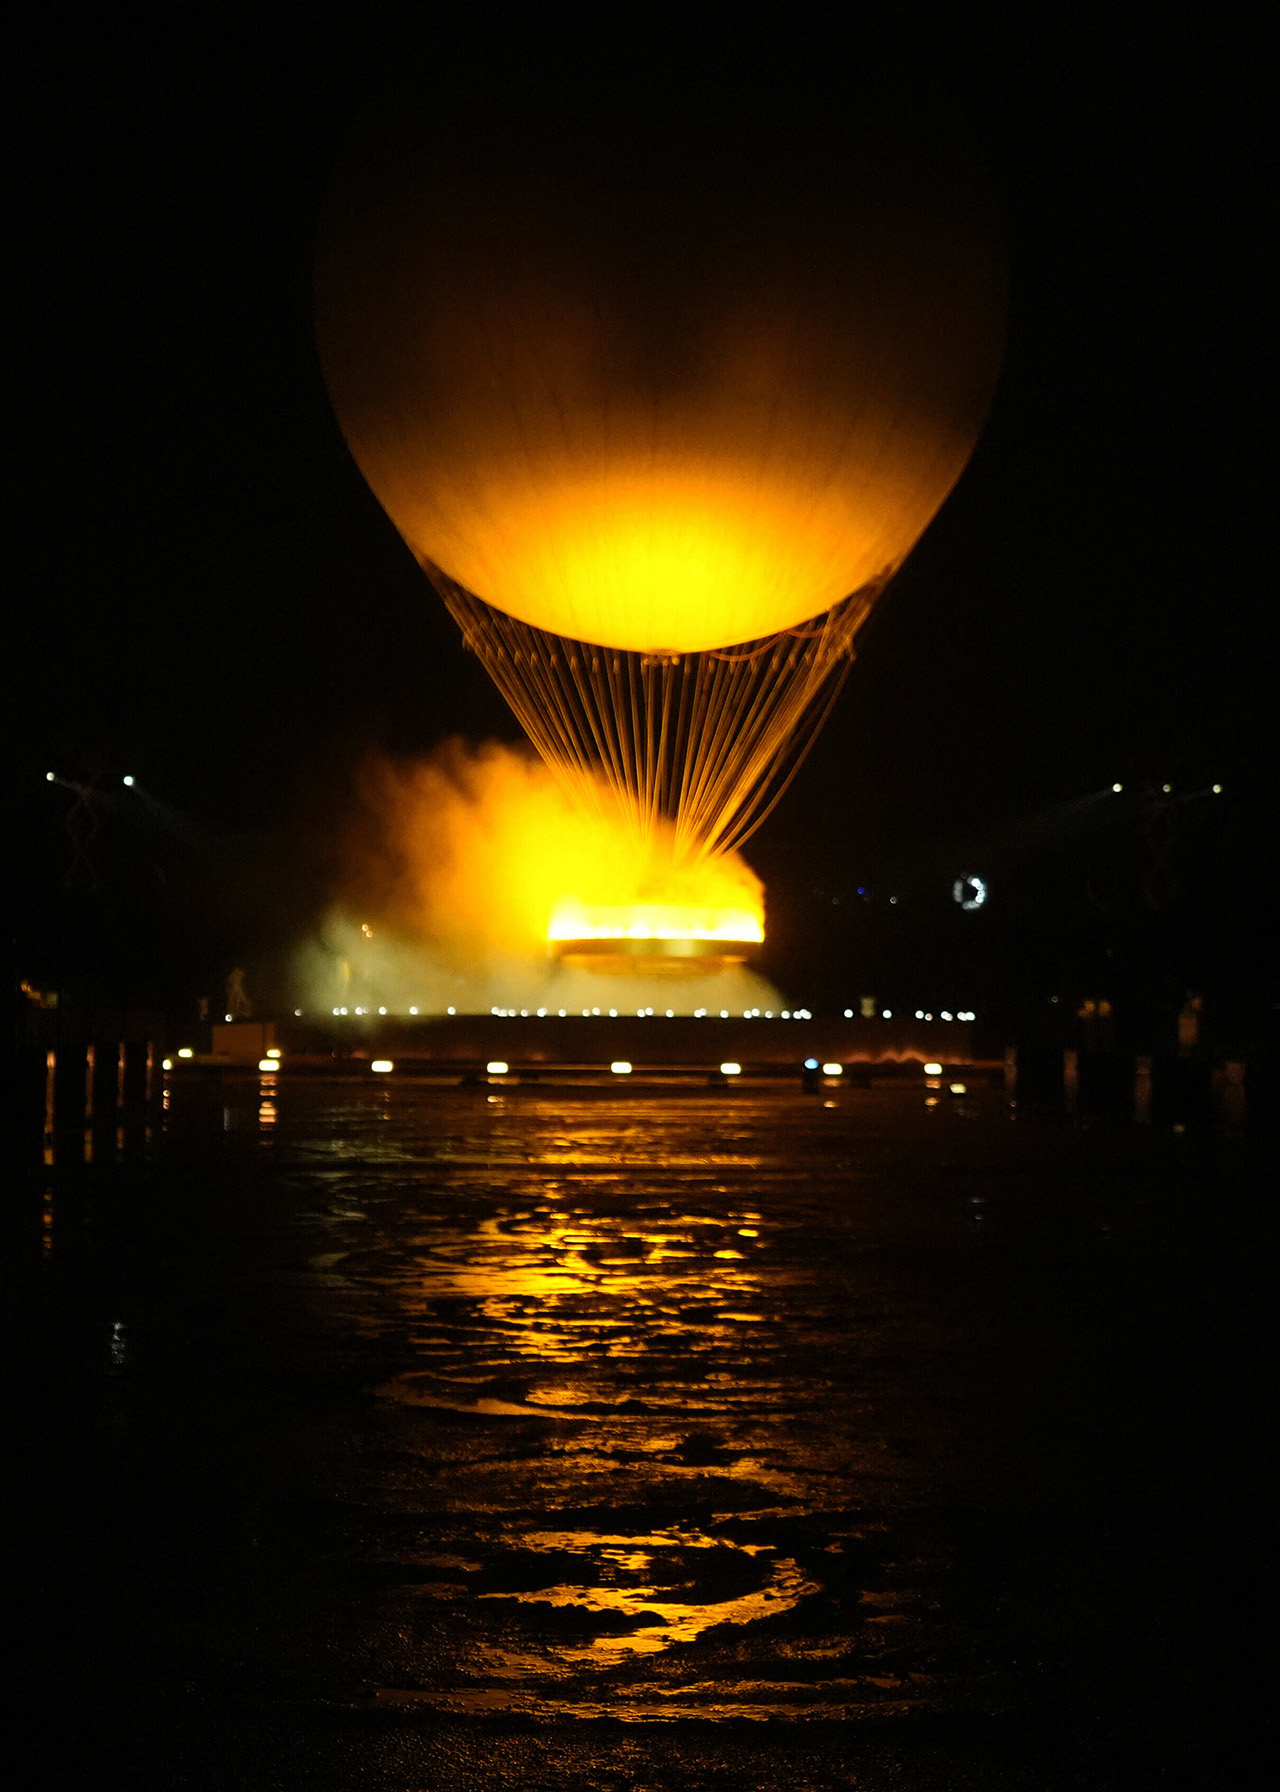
(70, 1098)
(102, 1096)
(1142, 1089)
(133, 1090)
(1230, 1090)
(1070, 1081)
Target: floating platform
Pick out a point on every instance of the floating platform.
(622, 956)
(592, 1043)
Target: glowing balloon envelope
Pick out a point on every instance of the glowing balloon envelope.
(657, 405)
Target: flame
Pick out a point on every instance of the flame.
(482, 850)
(466, 874)
(654, 921)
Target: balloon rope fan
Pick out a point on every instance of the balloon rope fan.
(705, 742)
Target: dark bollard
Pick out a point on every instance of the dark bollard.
(1011, 1074)
(70, 1101)
(31, 1117)
(103, 1096)
(134, 1080)
(1142, 1068)
(135, 1062)
(1070, 1082)
(1040, 1069)
(1229, 1092)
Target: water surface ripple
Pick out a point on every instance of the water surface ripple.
(657, 1410)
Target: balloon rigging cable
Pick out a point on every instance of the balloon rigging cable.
(705, 742)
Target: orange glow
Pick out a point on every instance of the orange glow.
(696, 558)
(691, 416)
(484, 850)
(573, 920)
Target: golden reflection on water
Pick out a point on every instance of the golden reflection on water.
(564, 1298)
(677, 1620)
(617, 1372)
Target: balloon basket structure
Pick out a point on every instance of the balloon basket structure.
(655, 958)
(654, 938)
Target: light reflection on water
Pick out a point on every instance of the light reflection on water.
(630, 1371)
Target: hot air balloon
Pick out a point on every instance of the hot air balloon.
(660, 414)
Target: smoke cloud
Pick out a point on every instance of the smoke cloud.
(452, 870)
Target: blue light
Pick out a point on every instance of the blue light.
(811, 1063)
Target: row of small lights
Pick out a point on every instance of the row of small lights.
(500, 1067)
(1168, 789)
(589, 1013)
(270, 1064)
(128, 780)
(646, 1013)
(669, 1013)
(943, 1014)
(620, 1067)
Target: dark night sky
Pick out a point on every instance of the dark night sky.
(209, 597)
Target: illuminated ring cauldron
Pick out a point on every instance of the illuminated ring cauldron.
(654, 939)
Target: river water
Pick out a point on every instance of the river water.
(408, 1437)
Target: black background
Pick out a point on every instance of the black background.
(209, 598)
